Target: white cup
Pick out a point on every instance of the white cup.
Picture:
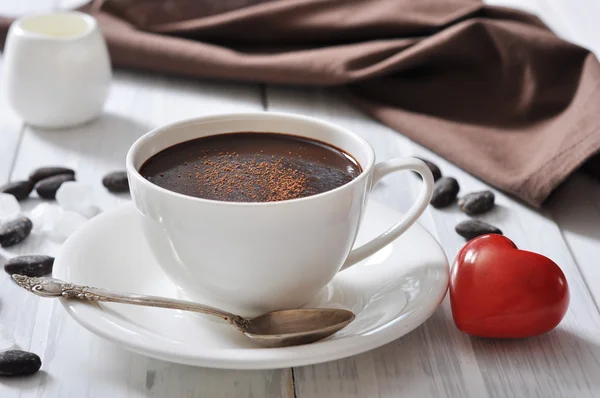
(252, 258)
(57, 69)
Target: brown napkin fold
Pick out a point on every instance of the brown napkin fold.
(488, 88)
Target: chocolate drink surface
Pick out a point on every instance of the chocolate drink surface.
(250, 167)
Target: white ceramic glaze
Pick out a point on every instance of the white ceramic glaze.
(57, 69)
(392, 292)
(252, 258)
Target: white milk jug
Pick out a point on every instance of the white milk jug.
(56, 69)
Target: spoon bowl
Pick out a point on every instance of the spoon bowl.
(295, 327)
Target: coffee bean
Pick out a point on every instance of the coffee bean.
(435, 170)
(116, 182)
(444, 192)
(477, 202)
(32, 265)
(19, 189)
(19, 363)
(470, 229)
(15, 231)
(45, 172)
(47, 187)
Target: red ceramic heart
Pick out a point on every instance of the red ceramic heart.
(499, 291)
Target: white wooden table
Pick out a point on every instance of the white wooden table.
(436, 360)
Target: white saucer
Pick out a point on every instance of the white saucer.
(391, 293)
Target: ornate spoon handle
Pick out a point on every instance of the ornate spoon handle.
(51, 287)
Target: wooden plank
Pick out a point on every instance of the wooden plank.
(77, 363)
(575, 205)
(11, 124)
(10, 131)
(576, 209)
(436, 359)
(11, 128)
(573, 21)
(579, 21)
(428, 361)
(530, 368)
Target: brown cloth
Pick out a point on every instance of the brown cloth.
(488, 88)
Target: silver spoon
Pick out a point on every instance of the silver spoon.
(275, 329)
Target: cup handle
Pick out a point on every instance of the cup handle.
(381, 170)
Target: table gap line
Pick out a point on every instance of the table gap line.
(262, 89)
(294, 392)
(17, 151)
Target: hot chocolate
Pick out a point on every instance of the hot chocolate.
(250, 167)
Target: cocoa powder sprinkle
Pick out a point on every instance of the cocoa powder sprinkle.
(255, 179)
